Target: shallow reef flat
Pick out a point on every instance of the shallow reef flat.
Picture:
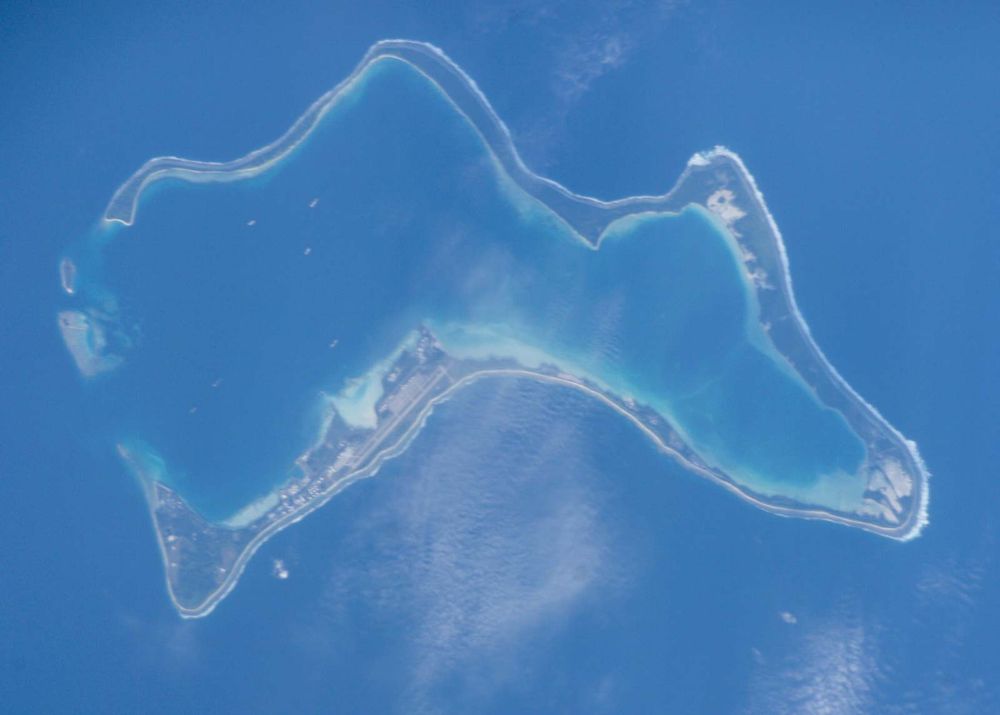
(259, 334)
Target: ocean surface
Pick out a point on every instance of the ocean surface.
(229, 310)
(512, 560)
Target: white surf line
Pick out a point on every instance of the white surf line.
(123, 206)
(259, 160)
(400, 445)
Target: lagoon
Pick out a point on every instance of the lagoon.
(318, 297)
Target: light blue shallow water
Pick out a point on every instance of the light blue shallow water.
(233, 293)
(873, 138)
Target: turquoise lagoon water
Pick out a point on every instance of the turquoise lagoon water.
(432, 587)
(237, 305)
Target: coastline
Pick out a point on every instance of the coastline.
(596, 218)
(904, 532)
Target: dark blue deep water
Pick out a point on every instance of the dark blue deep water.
(512, 560)
(229, 296)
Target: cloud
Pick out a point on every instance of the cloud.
(588, 58)
(573, 45)
(491, 540)
(168, 643)
(605, 37)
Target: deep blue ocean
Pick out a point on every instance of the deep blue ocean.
(514, 561)
(234, 305)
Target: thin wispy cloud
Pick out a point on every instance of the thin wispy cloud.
(489, 542)
(579, 44)
(168, 643)
(586, 59)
